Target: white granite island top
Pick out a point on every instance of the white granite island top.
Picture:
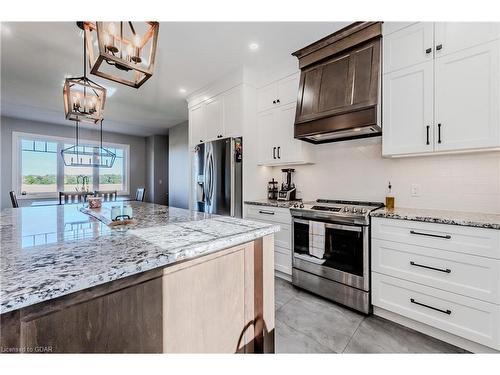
(51, 251)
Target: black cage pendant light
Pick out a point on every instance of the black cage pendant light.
(87, 155)
(83, 99)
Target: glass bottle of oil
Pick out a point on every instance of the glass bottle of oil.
(389, 199)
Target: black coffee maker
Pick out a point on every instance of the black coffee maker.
(287, 191)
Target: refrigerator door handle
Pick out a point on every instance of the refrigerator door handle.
(211, 182)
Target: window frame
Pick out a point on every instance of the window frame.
(17, 163)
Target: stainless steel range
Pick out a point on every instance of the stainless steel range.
(331, 250)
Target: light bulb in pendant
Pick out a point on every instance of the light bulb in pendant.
(112, 28)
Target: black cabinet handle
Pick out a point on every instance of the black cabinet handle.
(274, 101)
(277, 100)
(447, 270)
(279, 157)
(447, 237)
(274, 152)
(428, 50)
(439, 133)
(439, 47)
(266, 212)
(201, 140)
(430, 307)
(427, 130)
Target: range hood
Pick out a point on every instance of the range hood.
(339, 87)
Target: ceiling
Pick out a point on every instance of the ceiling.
(36, 57)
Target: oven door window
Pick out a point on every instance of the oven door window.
(344, 248)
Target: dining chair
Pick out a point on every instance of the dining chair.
(140, 194)
(107, 196)
(13, 199)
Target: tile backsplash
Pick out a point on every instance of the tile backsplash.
(356, 170)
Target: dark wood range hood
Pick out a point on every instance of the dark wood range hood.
(339, 85)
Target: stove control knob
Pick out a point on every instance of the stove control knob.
(295, 205)
(354, 210)
(346, 209)
(363, 211)
(301, 205)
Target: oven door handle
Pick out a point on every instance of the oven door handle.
(344, 227)
(301, 221)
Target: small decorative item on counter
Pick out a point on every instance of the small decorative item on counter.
(389, 199)
(95, 202)
(272, 189)
(127, 211)
(116, 212)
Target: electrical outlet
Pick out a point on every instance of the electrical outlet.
(416, 190)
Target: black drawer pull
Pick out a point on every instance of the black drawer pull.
(448, 237)
(430, 307)
(439, 133)
(439, 47)
(447, 270)
(428, 50)
(274, 152)
(427, 131)
(266, 212)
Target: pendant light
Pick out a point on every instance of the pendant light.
(122, 52)
(83, 99)
(87, 155)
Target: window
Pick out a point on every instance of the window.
(39, 171)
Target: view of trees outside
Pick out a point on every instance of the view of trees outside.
(39, 170)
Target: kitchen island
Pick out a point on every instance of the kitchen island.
(173, 281)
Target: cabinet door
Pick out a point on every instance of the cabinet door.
(266, 97)
(289, 148)
(233, 112)
(196, 124)
(287, 89)
(307, 101)
(267, 133)
(214, 118)
(409, 46)
(407, 110)
(467, 98)
(456, 36)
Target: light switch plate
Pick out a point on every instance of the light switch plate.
(416, 190)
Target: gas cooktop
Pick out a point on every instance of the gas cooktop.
(355, 212)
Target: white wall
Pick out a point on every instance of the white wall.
(356, 170)
(178, 166)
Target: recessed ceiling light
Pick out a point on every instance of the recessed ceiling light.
(182, 90)
(253, 46)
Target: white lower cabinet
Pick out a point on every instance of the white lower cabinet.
(282, 239)
(444, 276)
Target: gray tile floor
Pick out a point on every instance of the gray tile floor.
(306, 323)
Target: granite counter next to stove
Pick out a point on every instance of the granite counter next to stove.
(48, 252)
(273, 203)
(469, 219)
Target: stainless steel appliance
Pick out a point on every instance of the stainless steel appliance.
(331, 250)
(287, 191)
(217, 177)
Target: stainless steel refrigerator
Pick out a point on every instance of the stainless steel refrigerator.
(217, 177)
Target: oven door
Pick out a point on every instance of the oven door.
(338, 252)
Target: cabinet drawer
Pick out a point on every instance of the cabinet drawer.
(283, 260)
(283, 238)
(469, 318)
(469, 275)
(468, 240)
(269, 214)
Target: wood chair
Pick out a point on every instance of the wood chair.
(13, 199)
(140, 194)
(71, 197)
(107, 196)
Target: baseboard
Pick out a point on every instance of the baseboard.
(282, 275)
(468, 345)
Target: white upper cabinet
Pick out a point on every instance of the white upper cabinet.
(278, 93)
(451, 37)
(409, 46)
(221, 116)
(446, 100)
(214, 120)
(197, 127)
(267, 131)
(408, 120)
(467, 99)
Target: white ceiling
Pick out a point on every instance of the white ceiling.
(36, 56)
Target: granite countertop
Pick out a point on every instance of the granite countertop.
(50, 251)
(273, 203)
(469, 219)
